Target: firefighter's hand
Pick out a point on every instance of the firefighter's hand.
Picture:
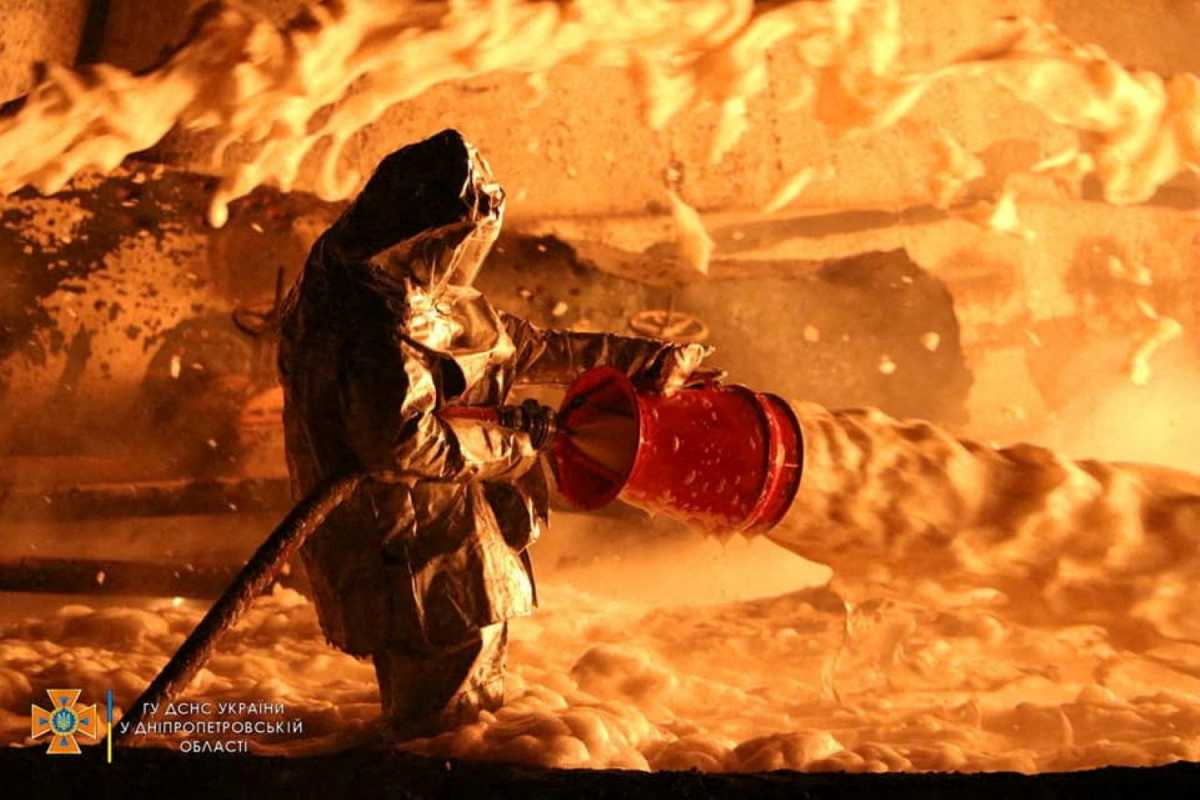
(679, 366)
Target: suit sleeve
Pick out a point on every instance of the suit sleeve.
(389, 399)
(558, 357)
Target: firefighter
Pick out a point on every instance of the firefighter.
(422, 567)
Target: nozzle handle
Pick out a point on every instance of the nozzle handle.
(535, 419)
(530, 417)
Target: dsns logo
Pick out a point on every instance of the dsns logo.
(65, 721)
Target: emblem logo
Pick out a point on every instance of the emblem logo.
(66, 720)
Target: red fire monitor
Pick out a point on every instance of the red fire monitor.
(725, 459)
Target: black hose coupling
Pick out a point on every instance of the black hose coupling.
(535, 419)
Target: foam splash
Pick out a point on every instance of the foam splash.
(598, 681)
(1166, 330)
(990, 609)
(307, 88)
(276, 654)
(900, 507)
(694, 244)
(338, 66)
(1137, 129)
(958, 168)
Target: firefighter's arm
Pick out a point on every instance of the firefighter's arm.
(558, 357)
(388, 399)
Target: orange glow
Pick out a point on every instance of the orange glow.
(246, 81)
(1004, 590)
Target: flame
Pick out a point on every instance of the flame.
(1166, 330)
(969, 573)
(1140, 129)
(792, 188)
(959, 168)
(310, 86)
(695, 245)
(1005, 217)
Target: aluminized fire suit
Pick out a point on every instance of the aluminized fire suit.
(380, 332)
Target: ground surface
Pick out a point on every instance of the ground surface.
(368, 774)
(685, 655)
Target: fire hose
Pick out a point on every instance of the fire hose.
(259, 572)
(719, 458)
(265, 565)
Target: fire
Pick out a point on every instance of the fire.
(1137, 129)
(1165, 331)
(694, 243)
(990, 608)
(306, 89)
(332, 71)
(959, 169)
